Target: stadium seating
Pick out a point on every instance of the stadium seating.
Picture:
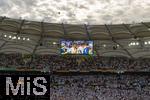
(72, 63)
(100, 87)
(86, 87)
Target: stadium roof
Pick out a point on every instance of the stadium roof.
(18, 35)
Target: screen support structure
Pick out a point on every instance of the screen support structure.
(87, 32)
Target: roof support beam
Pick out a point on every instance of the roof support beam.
(145, 25)
(42, 30)
(20, 27)
(3, 18)
(37, 45)
(87, 32)
(3, 44)
(113, 39)
(41, 38)
(1, 21)
(129, 30)
(109, 32)
(64, 29)
(133, 34)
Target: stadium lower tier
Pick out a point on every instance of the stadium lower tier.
(51, 63)
(100, 87)
(95, 86)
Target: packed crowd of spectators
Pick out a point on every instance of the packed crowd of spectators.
(87, 87)
(58, 62)
(13, 61)
(100, 87)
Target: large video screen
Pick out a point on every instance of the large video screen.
(76, 47)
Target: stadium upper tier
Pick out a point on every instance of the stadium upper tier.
(23, 36)
(68, 31)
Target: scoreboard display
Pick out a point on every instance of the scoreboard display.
(76, 47)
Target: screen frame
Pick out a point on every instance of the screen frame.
(75, 40)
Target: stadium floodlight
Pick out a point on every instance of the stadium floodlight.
(9, 36)
(24, 38)
(14, 37)
(104, 45)
(18, 38)
(54, 43)
(133, 43)
(148, 42)
(5, 35)
(137, 43)
(145, 43)
(28, 39)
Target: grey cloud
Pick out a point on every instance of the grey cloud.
(92, 11)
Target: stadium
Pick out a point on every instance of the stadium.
(90, 50)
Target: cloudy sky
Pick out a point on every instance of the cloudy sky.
(78, 11)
